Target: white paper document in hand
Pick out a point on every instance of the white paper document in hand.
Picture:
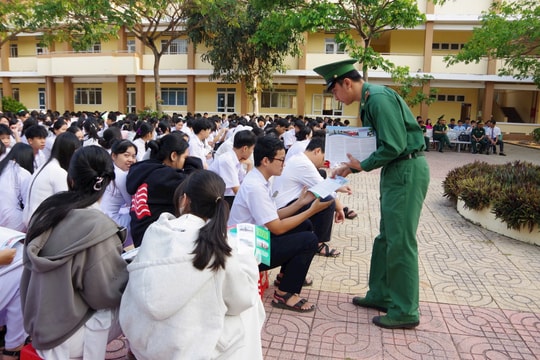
(328, 186)
(360, 142)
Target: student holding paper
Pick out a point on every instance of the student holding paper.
(292, 241)
(393, 278)
(302, 170)
(192, 292)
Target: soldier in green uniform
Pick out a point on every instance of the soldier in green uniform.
(478, 138)
(393, 277)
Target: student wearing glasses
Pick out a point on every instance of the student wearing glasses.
(293, 243)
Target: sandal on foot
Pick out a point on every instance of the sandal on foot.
(349, 214)
(327, 252)
(16, 354)
(280, 301)
(308, 281)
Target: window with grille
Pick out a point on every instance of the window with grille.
(177, 46)
(88, 96)
(332, 47)
(131, 46)
(174, 96)
(281, 98)
(13, 50)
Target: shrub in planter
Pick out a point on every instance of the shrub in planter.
(536, 135)
(477, 192)
(519, 207)
(451, 182)
(512, 191)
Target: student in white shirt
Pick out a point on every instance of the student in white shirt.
(143, 134)
(302, 171)
(293, 243)
(303, 136)
(494, 136)
(60, 126)
(15, 172)
(51, 178)
(197, 142)
(233, 165)
(116, 201)
(36, 136)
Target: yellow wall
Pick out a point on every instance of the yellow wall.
(440, 36)
(520, 100)
(407, 42)
(26, 46)
(109, 97)
(109, 46)
(452, 109)
(28, 94)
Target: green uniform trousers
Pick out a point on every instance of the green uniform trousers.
(393, 277)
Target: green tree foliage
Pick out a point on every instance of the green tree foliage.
(509, 31)
(410, 87)
(85, 22)
(16, 16)
(81, 23)
(154, 20)
(246, 41)
(369, 19)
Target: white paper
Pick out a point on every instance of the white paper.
(360, 142)
(328, 186)
(11, 239)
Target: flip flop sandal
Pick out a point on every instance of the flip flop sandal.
(280, 301)
(349, 214)
(327, 252)
(308, 281)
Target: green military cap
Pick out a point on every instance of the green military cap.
(332, 72)
(440, 117)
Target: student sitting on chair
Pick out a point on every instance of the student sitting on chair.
(292, 241)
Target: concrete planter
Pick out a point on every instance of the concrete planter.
(487, 220)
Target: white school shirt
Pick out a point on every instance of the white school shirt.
(493, 133)
(49, 142)
(14, 180)
(288, 138)
(253, 203)
(116, 201)
(297, 148)
(298, 172)
(198, 149)
(141, 148)
(230, 169)
(39, 159)
(46, 181)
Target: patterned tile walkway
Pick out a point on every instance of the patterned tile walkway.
(479, 291)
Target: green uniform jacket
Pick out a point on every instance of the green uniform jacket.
(397, 130)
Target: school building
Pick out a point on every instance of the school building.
(118, 75)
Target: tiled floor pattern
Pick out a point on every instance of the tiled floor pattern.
(479, 291)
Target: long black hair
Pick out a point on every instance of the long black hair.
(205, 190)
(161, 149)
(22, 154)
(63, 148)
(90, 171)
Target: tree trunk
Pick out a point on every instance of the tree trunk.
(157, 83)
(255, 98)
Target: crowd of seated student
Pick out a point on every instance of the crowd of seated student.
(482, 138)
(135, 192)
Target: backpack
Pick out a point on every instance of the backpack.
(464, 137)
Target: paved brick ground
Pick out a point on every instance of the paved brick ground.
(480, 291)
